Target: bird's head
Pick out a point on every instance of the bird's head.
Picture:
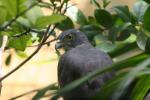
(70, 39)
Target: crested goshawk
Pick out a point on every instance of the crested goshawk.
(79, 59)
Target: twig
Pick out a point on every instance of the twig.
(45, 37)
(24, 33)
(27, 31)
(46, 43)
(27, 59)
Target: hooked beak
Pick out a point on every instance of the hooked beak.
(59, 45)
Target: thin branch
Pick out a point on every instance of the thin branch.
(45, 37)
(46, 43)
(24, 33)
(27, 59)
(27, 31)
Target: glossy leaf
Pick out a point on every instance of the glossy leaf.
(141, 40)
(32, 16)
(123, 12)
(139, 9)
(47, 20)
(91, 31)
(77, 15)
(66, 24)
(103, 17)
(116, 30)
(141, 88)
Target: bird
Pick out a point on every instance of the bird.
(79, 59)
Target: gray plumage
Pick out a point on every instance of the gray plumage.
(79, 59)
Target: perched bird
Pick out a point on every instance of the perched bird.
(79, 59)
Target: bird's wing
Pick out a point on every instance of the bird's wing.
(73, 66)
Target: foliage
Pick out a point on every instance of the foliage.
(121, 32)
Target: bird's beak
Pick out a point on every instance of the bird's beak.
(59, 45)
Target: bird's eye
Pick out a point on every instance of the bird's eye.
(68, 37)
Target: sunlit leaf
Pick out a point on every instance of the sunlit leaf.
(139, 9)
(77, 15)
(19, 43)
(47, 20)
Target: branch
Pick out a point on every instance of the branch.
(27, 59)
(46, 43)
(24, 33)
(27, 31)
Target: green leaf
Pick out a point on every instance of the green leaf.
(19, 43)
(139, 9)
(114, 31)
(141, 40)
(32, 16)
(122, 48)
(147, 19)
(21, 54)
(8, 59)
(2, 15)
(148, 1)
(128, 79)
(141, 88)
(96, 3)
(77, 15)
(103, 43)
(128, 62)
(13, 7)
(43, 91)
(24, 22)
(106, 3)
(66, 24)
(109, 88)
(90, 31)
(47, 20)
(104, 18)
(123, 12)
(1, 40)
(10, 6)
